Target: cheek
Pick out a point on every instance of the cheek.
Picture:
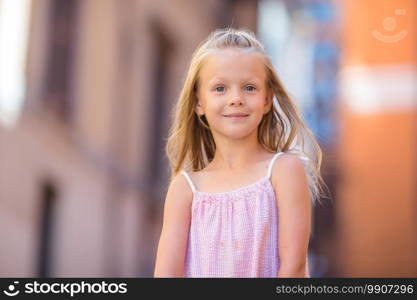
(213, 107)
(259, 104)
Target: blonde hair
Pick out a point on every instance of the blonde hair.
(190, 144)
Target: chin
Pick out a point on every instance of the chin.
(235, 132)
(237, 135)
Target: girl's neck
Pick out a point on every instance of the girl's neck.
(234, 158)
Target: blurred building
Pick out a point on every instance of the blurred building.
(351, 67)
(83, 172)
(376, 206)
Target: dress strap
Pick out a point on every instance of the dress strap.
(190, 182)
(271, 164)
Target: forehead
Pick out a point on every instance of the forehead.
(230, 64)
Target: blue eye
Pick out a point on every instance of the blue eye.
(250, 88)
(219, 89)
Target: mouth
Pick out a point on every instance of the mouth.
(236, 115)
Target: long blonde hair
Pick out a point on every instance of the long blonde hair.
(190, 144)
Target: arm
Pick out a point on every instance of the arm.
(294, 207)
(170, 257)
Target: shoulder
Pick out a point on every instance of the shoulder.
(200, 177)
(179, 184)
(179, 190)
(288, 173)
(288, 162)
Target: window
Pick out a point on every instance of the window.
(49, 195)
(59, 71)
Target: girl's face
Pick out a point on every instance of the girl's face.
(232, 92)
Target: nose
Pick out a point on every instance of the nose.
(236, 98)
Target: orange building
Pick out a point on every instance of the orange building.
(376, 201)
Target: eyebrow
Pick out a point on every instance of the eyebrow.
(216, 79)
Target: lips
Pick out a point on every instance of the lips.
(236, 115)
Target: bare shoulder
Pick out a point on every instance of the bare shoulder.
(200, 177)
(288, 162)
(179, 182)
(179, 190)
(288, 173)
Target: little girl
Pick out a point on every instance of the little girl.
(239, 200)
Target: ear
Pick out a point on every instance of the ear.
(198, 107)
(268, 101)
